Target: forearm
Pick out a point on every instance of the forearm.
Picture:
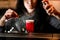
(2, 21)
(54, 22)
(56, 14)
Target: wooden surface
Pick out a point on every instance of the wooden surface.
(48, 36)
(31, 35)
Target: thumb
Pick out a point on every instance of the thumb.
(45, 1)
(14, 14)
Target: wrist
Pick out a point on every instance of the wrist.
(3, 18)
(57, 13)
(2, 21)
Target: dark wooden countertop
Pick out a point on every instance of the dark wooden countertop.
(31, 35)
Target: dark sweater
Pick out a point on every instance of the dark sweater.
(42, 23)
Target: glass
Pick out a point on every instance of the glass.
(30, 26)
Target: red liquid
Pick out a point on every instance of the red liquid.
(30, 26)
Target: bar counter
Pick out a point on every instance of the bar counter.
(31, 35)
(39, 36)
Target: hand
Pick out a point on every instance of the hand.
(48, 7)
(10, 13)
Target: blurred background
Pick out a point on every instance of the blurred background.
(12, 4)
(5, 4)
(8, 3)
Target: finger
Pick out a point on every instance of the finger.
(44, 5)
(47, 12)
(47, 6)
(9, 11)
(51, 10)
(45, 1)
(7, 16)
(14, 14)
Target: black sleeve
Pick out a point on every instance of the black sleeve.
(55, 22)
(2, 29)
(9, 24)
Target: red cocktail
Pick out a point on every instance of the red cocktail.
(30, 25)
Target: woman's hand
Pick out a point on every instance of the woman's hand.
(10, 13)
(50, 9)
